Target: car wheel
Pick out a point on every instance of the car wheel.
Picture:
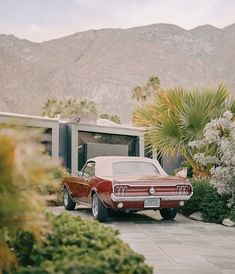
(168, 213)
(99, 211)
(67, 200)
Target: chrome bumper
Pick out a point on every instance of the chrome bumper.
(142, 198)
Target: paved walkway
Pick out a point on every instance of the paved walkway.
(182, 246)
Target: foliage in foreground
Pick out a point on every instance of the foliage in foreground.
(24, 171)
(52, 192)
(77, 246)
(206, 200)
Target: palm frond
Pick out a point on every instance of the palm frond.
(165, 137)
(199, 108)
(145, 116)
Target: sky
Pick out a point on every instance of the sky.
(41, 20)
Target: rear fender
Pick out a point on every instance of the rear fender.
(94, 191)
(68, 189)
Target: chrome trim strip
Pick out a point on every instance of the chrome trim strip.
(82, 203)
(142, 198)
(154, 185)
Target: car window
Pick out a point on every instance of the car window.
(89, 169)
(135, 168)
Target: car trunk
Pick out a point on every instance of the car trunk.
(156, 186)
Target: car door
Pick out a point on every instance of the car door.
(85, 181)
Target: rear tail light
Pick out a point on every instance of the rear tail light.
(120, 190)
(183, 189)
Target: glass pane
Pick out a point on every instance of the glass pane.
(89, 169)
(135, 168)
(91, 144)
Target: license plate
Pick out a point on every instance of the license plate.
(152, 202)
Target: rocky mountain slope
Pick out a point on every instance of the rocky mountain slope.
(104, 65)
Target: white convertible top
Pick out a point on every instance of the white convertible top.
(103, 167)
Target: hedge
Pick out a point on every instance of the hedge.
(77, 246)
(206, 200)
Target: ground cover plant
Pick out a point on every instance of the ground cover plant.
(77, 246)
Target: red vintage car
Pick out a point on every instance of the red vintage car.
(125, 184)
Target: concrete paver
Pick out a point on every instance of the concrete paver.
(182, 246)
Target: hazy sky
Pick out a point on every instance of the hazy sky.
(40, 20)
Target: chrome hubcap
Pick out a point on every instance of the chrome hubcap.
(66, 198)
(95, 206)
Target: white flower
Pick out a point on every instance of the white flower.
(233, 161)
(220, 133)
(228, 115)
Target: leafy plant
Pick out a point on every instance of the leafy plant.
(78, 246)
(206, 200)
(232, 214)
(177, 116)
(24, 170)
(52, 192)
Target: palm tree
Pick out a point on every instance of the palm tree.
(68, 108)
(177, 117)
(87, 107)
(145, 92)
(105, 116)
(145, 116)
(153, 84)
(52, 108)
(115, 118)
(139, 94)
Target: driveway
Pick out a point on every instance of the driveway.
(182, 246)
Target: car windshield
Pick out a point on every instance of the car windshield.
(134, 168)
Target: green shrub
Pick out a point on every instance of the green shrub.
(206, 200)
(77, 246)
(232, 214)
(23, 246)
(24, 171)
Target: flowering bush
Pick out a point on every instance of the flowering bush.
(216, 152)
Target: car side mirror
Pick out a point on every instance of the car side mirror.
(79, 173)
(182, 173)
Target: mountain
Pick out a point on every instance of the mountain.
(104, 65)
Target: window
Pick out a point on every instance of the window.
(89, 169)
(135, 168)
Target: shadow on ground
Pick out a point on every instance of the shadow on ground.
(145, 217)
